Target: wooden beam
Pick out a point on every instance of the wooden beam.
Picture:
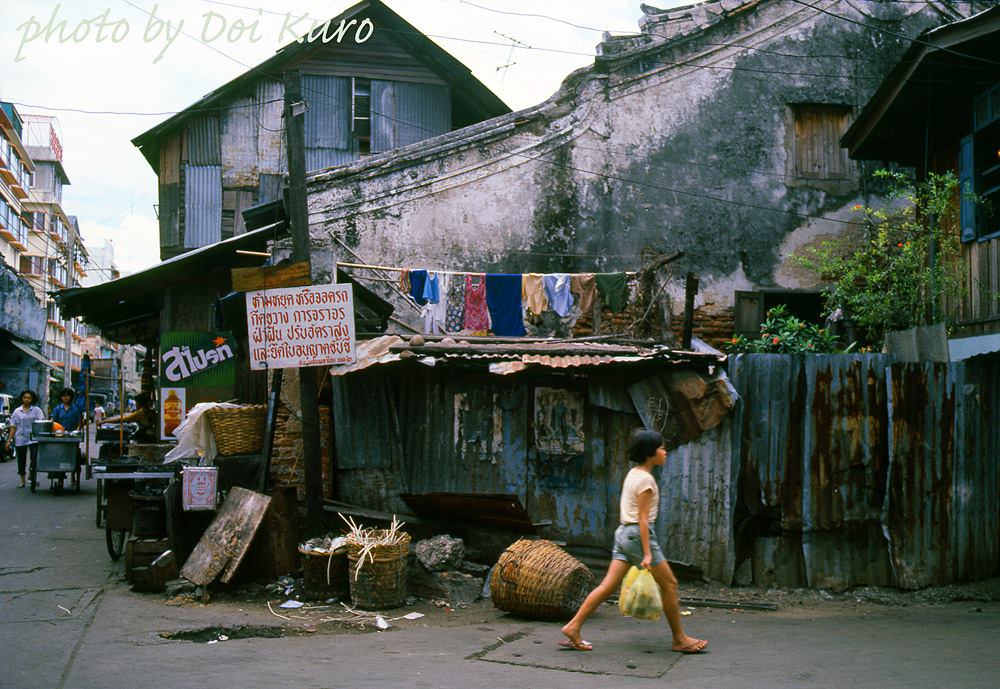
(270, 277)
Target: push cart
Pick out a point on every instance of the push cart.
(114, 502)
(57, 456)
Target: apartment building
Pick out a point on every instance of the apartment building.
(22, 316)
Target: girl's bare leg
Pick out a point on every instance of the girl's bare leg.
(616, 572)
(671, 608)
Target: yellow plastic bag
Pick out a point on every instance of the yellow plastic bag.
(640, 595)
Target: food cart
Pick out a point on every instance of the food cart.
(58, 455)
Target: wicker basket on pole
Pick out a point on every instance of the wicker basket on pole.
(537, 578)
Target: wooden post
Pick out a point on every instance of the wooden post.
(299, 219)
(690, 290)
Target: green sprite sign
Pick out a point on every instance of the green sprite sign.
(197, 359)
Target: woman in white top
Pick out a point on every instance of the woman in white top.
(21, 420)
(635, 544)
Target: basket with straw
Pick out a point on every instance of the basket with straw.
(537, 578)
(377, 565)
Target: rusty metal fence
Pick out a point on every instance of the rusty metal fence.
(854, 470)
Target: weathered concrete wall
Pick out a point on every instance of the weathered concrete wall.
(20, 312)
(666, 144)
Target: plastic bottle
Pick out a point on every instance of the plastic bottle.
(173, 411)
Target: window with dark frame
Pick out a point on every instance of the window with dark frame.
(361, 115)
(979, 169)
(816, 152)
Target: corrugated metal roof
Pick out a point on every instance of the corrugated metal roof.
(371, 353)
(505, 358)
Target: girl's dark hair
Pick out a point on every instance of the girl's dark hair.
(643, 444)
(68, 391)
(34, 396)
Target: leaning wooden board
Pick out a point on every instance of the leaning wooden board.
(224, 544)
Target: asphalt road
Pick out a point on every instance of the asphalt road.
(67, 620)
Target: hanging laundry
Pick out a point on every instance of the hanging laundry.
(404, 281)
(436, 310)
(432, 288)
(533, 293)
(503, 296)
(455, 318)
(558, 294)
(611, 287)
(418, 279)
(585, 289)
(477, 315)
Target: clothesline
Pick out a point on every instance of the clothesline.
(444, 272)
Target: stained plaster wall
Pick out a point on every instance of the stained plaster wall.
(687, 158)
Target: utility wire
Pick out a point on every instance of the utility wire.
(917, 40)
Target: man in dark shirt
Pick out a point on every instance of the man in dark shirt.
(67, 414)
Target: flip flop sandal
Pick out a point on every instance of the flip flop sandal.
(577, 645)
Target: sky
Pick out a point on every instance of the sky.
(119, 56)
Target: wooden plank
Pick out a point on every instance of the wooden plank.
(222, 547)
(270, 277)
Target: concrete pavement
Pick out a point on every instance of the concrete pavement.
(68, 621)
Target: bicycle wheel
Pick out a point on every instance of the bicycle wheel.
(115, 540)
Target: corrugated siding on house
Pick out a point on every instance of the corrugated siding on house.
(202, 205)
(239, 144)
(271, 156)
(204, 144)
(404, 113)
(169, 214)
(327, 121)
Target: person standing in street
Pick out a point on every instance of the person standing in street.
(67, 414)
(635, 544)
(99, 414)
(21, 420)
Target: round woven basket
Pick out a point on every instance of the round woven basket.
(324, 575)
(238, 430)
(381, 582)
(538, 579)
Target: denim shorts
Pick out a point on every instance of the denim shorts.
(628, 545)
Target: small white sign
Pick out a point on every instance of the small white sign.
(295, 327)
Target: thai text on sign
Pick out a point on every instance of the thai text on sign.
(294, 327)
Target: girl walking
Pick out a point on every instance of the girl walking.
(635, 544)
(22, 419)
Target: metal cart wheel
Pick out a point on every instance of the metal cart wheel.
(57, 484)
(115, 539)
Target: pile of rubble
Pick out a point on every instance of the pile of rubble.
(438, 570)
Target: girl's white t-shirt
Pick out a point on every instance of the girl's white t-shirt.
(638, 481)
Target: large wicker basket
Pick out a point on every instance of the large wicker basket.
(380, 584)
(537, 578)
(238, 430)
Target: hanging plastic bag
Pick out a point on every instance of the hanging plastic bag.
(640, 595)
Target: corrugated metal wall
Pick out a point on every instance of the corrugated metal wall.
(819, 505)
(404, 113)
(943, 515)
(424, 430)
(202, 205)
(832, 472)
(328, 121)
(204, 144)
